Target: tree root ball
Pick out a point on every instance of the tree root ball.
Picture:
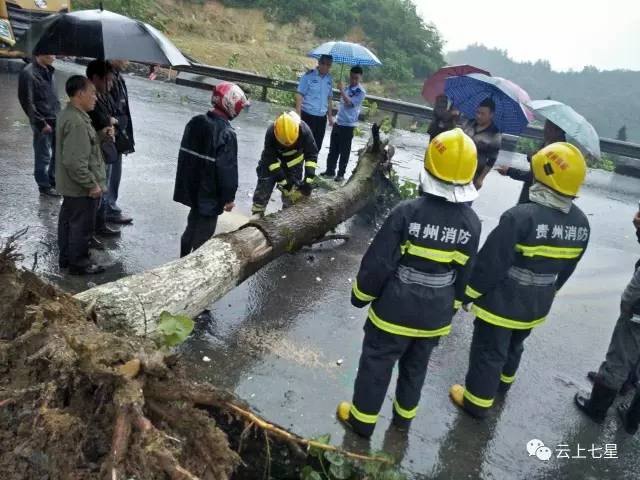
(77, 402)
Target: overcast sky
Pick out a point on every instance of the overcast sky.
(568, 33)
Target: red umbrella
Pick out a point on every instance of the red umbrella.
(434, 85)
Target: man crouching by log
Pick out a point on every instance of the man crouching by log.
(289, 160)
(207, 175)
(414, 275)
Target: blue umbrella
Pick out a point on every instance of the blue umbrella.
(346, 53)
(468, 91)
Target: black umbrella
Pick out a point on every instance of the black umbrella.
(100, 34)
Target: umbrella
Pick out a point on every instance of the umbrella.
(434, 85)
(346, 53)
(468, 91)
(100, 34)
(573, 124)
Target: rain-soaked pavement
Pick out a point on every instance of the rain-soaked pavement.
(288, 341)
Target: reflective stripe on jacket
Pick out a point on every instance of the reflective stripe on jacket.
(277, 160)
(207, 173)
(526, 259)
(415, 270)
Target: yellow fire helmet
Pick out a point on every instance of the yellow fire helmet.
(287, 128)
(560, 166)
(451, 157)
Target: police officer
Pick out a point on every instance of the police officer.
(314, 97)
(622, 357)
(289, 159)
(525, 261)
(413, 274)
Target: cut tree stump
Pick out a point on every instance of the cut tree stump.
(189, 285)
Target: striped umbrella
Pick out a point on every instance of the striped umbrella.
(468, 91)
(346, 53)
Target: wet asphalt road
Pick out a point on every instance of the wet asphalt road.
(288, 341)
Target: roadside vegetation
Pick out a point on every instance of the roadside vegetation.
(264, 36)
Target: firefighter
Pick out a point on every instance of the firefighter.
(288, 160)
(623, 357)
(526, 259)
(413, 275)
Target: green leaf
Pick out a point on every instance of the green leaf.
(391, 475)
(340, 472)
(174, 328)
(334, 458)
(372, 467)
(318, 452)
(308, 473)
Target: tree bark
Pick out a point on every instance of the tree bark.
(189, 285)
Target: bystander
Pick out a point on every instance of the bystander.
(39, 100)
(81, 176)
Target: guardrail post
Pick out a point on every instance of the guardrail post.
(264, 93)
(394, 119)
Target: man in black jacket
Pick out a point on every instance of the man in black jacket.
(124, 140)
(39, 100)
(104, 121)
(207, 176)
(552, 134)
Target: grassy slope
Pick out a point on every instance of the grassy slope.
(240, 38)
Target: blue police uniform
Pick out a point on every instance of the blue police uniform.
(342, 133)
(348, 114)
(315, 90)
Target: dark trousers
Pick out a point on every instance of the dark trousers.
(493, 362)
(318, 125)
(623, 355)
(44, 149)
(266, 184)
(75, 222)
(380, 352)
(200, 228)
(340, 147)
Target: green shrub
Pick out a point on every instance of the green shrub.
(605, 162)
(392, 28)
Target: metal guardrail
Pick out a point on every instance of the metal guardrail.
(396, 107)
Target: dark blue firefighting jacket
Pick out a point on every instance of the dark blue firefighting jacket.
(415, 271)
(526, 259)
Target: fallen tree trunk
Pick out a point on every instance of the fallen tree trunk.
(189, 285)
(80, 403)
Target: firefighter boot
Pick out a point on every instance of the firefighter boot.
(343, 413)
(630, 414)
(456, 392)
(597, 404)
(399, 422)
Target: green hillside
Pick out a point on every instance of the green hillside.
(272, 37)
(608, 99)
